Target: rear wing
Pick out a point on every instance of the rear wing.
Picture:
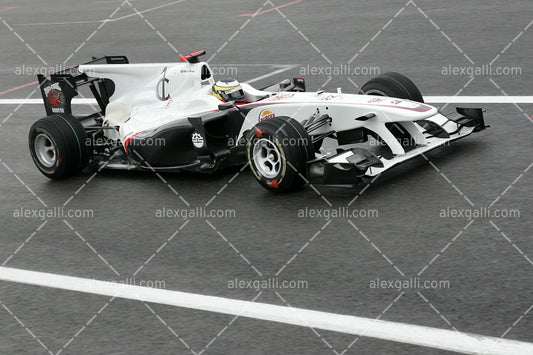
(62, 86)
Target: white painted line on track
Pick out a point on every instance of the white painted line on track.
(393, 331)
(480, 99)
(287, 67)
(40, 101)
(429, 99)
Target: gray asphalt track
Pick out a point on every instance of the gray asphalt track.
(486, 261)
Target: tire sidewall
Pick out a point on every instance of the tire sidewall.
(279, 178)
(67, 135)
(280, 131)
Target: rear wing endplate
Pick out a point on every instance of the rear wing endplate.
(62, 86)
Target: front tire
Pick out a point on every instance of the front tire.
(393, 85)
(278, 150)
(58, 146)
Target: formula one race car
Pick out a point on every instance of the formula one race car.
(165, 117)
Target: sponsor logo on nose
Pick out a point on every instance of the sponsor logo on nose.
(265, 115)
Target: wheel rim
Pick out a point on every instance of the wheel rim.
(267, 158)
(45, 150)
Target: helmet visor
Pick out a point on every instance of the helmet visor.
(235, 94)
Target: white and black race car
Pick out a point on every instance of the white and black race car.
(163, 117)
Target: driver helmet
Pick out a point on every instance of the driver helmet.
(229, 90)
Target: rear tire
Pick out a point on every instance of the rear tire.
(393, 85)
(278, 150)
(58, 146)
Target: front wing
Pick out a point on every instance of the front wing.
(351, 165)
